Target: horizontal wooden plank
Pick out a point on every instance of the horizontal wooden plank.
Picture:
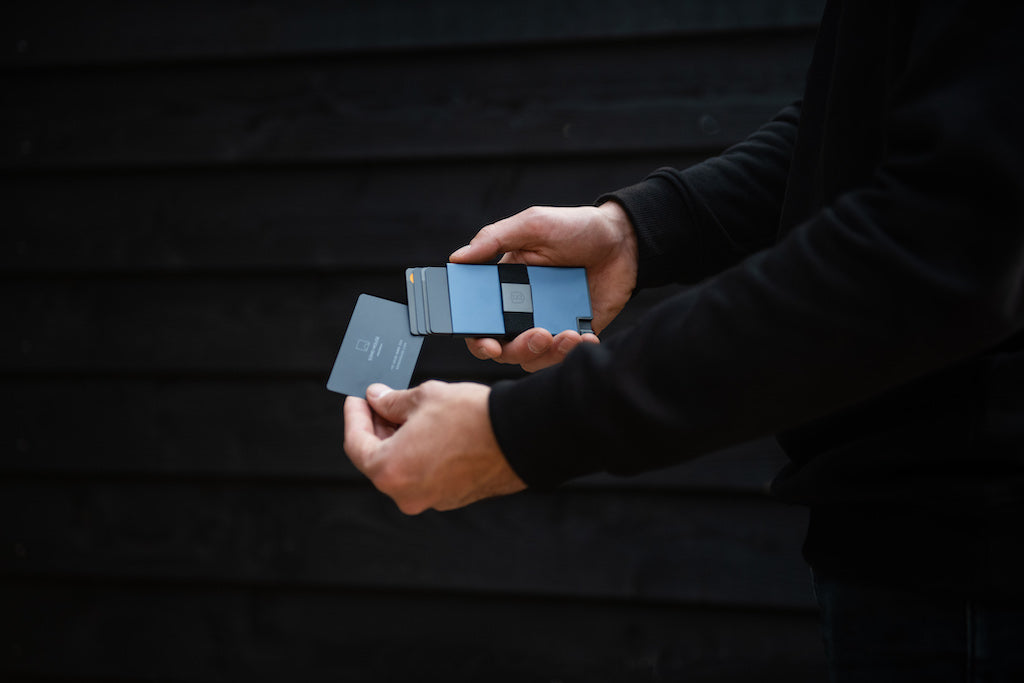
(663, 547)
(251, 401)
(239, 324)
(203, 324)
(384, 216)
(59, 32)
(134, 633)
(666, 95)
(275, 428)
(236, 427)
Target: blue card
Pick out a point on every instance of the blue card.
(475, 294)
(560, 299)
(378, 347)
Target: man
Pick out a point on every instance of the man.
(859, 290)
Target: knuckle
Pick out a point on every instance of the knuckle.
(392, 479)
(538, 219)
(490, 235)
(411, 507)
(529, 353)
(430, 388)
(397, 484)
(475, 348)
(484, 233)
(534, 213)
(351, 446)
(413, 396)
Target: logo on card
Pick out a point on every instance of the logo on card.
(518, 297)
(362, 345)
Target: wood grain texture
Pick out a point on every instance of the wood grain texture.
(577, 543)
(196, 193)
(60, 32)
(281, 429)
(168, 633)
(663, 96)
(360, 216)
(202, 324)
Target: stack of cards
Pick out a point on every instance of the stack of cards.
(429, 307)
(384, 338)
(497, 300)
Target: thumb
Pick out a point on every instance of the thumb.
(394, 406)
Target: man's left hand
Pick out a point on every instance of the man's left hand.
(428, 447)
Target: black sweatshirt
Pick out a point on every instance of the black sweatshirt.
(857, 267)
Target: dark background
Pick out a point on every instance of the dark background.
(194, 193)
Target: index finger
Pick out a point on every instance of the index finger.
(484, 348)
(484, 246)
(509, 234)
(525, 348)
(361, 440)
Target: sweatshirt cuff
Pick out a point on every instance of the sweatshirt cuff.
(535, 432)
(662, 219)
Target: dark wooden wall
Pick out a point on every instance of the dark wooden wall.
(193, 195)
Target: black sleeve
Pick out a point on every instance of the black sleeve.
(921, 266)
(696, 222)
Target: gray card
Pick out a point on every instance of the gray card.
(410, 287)
(417, 302)
(421, 300)
(378, 347)
(435, 283)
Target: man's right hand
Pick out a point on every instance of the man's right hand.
(601, 239)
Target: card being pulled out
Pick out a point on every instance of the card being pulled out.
(378, 347)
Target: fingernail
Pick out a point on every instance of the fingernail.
(566, 345)
(377, 390)
(538, 343)
(459, 253)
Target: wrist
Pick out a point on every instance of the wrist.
(616, 217)
(626, 246)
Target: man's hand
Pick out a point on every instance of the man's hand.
(428, 447)
(601, 239)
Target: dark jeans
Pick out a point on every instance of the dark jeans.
(884, 634)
